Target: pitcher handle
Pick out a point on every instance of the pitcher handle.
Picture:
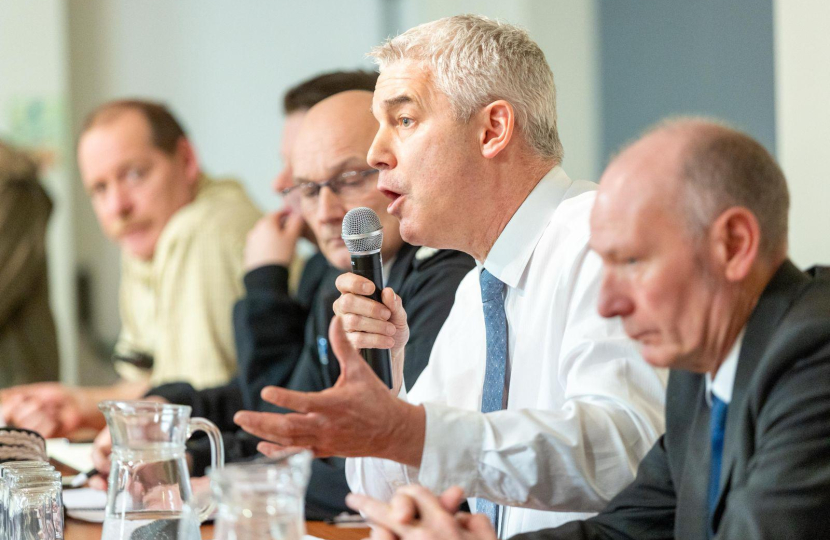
(217, 455)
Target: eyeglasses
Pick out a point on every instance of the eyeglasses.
(347, 184)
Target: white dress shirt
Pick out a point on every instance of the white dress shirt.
(724, 379)
(583, 408)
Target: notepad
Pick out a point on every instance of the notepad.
(76, 455)
(85, 504)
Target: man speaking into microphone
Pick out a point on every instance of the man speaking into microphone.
(535, 405)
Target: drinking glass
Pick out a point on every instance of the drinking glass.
(35, 511)
(11, 474)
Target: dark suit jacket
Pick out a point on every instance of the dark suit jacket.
(775, 477)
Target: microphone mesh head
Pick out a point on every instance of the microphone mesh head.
(362, 221)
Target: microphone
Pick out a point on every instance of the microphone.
(363, 235)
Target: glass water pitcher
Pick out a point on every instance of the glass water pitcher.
(259, 500)
(149, 482)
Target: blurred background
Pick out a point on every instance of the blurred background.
(223, 65)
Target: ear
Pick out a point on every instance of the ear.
(497, 123)
(736, 239)
(186, 155)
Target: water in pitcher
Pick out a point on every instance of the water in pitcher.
(151, 526)
(265, 519)
(260, 500)
(147, 501)
(149, 482)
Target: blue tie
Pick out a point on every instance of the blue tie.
(717, 426)
(495, 327)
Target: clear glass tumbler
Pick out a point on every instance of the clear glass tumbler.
(35, 511)
(11, 475)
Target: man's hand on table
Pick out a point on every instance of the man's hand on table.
(415, 513)
(51, 409)
(357, 417)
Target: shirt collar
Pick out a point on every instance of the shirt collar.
(724, 380)
(510, 254)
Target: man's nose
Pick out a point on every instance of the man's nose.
(119, 200)
(613, 301)
(380, 154)
(329, 206)
(283, 180)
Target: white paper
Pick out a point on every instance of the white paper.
(76, 455)
(85, 504)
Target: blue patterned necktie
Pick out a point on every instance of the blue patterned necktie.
(717, 427)
(495, 327)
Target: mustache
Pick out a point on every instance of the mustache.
(125, 225)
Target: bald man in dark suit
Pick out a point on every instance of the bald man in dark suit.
(691, 224)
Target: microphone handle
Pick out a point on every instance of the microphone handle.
(371, 267)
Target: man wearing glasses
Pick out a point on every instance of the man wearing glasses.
(331, 176)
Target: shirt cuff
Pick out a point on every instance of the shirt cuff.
(272, 277)
(179, 393)
(452, 448)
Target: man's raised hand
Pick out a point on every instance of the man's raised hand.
(357, 417)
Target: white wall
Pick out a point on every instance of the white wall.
(222, 66)
(802, 87)
(33, 100)
(567, 32)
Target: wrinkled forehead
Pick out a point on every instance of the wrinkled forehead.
(321, 150)
(404, 82)
(119, 128)
(108, 145)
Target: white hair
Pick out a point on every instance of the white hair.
(475, 61)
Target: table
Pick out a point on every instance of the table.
(79, 530)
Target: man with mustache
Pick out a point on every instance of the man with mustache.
(182, 236)
(691, 225)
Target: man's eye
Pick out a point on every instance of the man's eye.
(309, 189)
(406, 122)
(134, 174)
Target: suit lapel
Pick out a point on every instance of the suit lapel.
(399, 270)
(694, 482)
(776, 299)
